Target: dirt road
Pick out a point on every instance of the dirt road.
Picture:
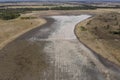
(53, 52)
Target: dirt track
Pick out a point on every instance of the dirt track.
(53, 52)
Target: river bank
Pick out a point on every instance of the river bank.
(95, 33)
(12, 29)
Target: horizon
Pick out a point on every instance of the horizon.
(58, 0)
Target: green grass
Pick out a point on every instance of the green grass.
(9, 15)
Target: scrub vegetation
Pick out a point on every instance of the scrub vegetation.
(7, 15)
(12, 13)
(74, 8)
(102, 35)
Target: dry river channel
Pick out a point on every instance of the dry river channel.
(52, 52)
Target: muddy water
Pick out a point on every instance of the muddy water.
(52, 52)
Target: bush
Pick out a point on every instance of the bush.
(83, 28)
(107, 27)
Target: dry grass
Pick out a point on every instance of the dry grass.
(11, 29)
(98, 37)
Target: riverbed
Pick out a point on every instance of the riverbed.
(52, 52)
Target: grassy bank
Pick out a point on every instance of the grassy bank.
(102, 34)
(11, 29)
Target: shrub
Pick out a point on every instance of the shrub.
(88, 22)
(83, 28)
(95, 28)
(107, 27)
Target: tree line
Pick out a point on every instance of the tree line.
(12, 13)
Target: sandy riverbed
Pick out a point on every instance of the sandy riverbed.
(71, 59)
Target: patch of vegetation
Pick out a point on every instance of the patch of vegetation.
(22, 10)
(88, 23)
(107, 27)
(84, 7)
(73, 8)
(28, 17)
(83, 28)
(7, 15)
(12, 13)
(112, 7)
(117, 32)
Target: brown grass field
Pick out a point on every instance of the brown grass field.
(96, 33)
(10, 29)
